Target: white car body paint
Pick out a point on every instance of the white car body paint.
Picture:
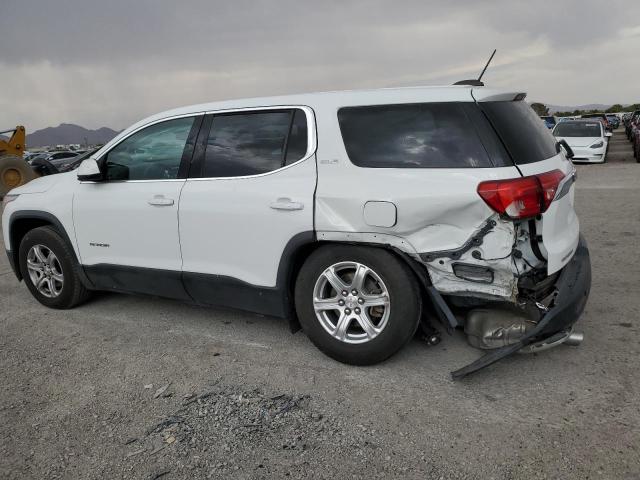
(226, 226)
(234, 227)
(51, 195)
(559, 225)
(116, 225)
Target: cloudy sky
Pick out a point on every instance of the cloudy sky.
(110, 63)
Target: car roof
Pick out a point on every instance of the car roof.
(337, 99)
(448, 93)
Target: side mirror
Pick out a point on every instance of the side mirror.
(608, 134)
(89, 171)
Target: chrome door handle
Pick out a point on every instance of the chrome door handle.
(286, 204)
(160, 201)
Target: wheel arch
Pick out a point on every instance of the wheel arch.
(23, 221)
(302, 245)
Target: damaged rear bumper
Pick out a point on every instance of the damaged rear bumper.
(572, 286)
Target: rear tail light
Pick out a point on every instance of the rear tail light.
(523, 197)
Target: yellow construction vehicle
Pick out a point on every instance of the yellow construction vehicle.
(14, 170)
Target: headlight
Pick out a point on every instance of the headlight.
(8, 199)
(600, 144)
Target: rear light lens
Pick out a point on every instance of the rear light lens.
(549, 182)
(523, 197)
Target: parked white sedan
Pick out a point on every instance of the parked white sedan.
(588, 139)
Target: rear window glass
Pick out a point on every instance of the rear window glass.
(578, 129)
(525, 137)
(425, 135)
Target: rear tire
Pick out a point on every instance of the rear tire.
(50, 270)
(365, 327)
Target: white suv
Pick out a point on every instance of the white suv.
(361, 214)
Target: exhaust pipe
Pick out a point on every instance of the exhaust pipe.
(574, 339)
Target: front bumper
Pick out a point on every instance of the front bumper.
(591, 155)
(572, 286)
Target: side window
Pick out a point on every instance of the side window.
(244, 143)
(424, 135)
(153, 153)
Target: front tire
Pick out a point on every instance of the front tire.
(49, 269)
(358, 305)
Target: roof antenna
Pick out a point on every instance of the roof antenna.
(478, 82)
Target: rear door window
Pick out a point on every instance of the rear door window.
(424, 135)
(251, 143)
(525, 136)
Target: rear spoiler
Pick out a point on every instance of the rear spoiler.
(491, 95)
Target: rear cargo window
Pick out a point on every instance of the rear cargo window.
(525, 136)
(425, 135)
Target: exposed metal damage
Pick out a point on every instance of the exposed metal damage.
(521, 299)
(534, 326)
(504, 258)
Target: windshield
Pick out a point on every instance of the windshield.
(578, 129)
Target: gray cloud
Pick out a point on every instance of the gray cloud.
(111, 63)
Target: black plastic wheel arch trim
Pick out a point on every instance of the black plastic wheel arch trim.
(444, 312)
(445, 315)
(57, 224)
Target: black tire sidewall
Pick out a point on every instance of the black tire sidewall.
(404, 294)
(18, 163)
(48, 237)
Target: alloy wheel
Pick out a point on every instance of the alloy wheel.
(45, 271)
(351, 302)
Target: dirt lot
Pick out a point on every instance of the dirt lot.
(83, 392)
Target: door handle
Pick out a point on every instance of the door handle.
(286, 204)
(160, 201)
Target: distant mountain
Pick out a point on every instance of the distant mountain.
(67, 133)
(564, 108)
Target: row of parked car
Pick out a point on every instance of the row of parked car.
(632, 130)
(57, 161)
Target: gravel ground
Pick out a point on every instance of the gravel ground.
(137, 387)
